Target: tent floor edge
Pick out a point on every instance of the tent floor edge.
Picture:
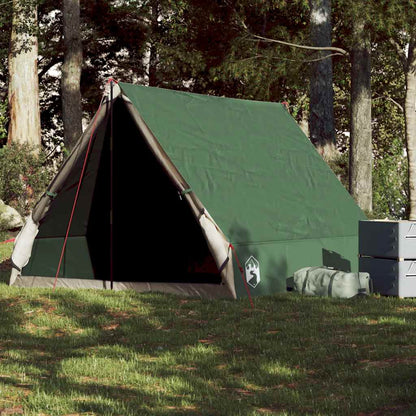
(201, 290)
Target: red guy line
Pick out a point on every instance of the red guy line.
(78, 190)
(242, 275)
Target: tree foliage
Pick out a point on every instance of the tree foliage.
(23, 177)
(220, 47)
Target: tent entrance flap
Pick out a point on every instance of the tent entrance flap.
(156, 236)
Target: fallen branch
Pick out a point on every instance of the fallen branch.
(292, 60)
(292, 45)
(339, 51)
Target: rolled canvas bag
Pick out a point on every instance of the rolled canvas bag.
(325, 281)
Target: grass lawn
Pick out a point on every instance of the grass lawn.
(87, 352)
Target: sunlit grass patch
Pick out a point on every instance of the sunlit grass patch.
(382, 320)
(5, 250)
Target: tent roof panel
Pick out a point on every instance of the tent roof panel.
(250, 165)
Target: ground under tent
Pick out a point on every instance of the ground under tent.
(188, 194)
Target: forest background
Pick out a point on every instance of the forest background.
(344, 68)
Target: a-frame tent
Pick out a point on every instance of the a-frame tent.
(185, 193)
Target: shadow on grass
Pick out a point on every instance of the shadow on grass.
(112, 353)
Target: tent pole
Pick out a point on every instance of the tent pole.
(74, 205)
(111, 185)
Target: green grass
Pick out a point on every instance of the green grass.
(87, 352)
(5, 251)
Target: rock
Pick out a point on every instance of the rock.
(9, 218)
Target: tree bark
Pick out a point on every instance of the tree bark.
(321, 117)
(410, 119)
(153, 53)
(71, 73)
(361, 155)
(24, 126)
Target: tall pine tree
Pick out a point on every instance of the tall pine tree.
(24, 113)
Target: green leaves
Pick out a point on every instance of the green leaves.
(23, 177)
(3, 122)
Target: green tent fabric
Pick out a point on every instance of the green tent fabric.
(231, 197)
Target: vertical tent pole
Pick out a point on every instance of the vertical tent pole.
(81, 177)
(74, 205)
(111, 185)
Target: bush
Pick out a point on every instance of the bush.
(24, 176)
(390, 188)
(3, 225)
(390, 184)
(3, 121)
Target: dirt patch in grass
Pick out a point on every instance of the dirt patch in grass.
(389, 362)
(272, 410)
(17, 410)
(6, 265)
(386, 411)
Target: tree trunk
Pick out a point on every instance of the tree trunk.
(71, 74)
(153, 55)
(361, 152)
(24, 126)
(410, 118)
(321, 118)
(303, 121)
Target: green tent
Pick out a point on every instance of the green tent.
(186, 193)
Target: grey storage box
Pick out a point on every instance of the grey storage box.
(391, 277)
(387, 251)
(387, 239)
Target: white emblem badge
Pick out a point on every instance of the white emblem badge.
(252, 271)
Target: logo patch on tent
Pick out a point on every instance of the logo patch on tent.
(252, 271)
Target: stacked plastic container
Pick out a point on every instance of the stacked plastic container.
(387, 251)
